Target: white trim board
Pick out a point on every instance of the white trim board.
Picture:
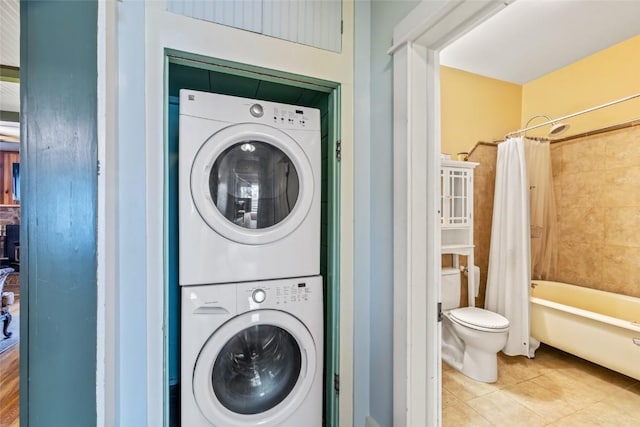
(417, 42)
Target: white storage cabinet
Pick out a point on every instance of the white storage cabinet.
(456, 214)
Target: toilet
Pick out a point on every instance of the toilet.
(471, 336)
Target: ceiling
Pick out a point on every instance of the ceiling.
(531, 38)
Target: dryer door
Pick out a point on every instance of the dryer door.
(256, 369)
(252, 183)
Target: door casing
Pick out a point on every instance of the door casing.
(417, 41)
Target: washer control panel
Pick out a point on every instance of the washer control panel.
(276, 295)
(298, 292)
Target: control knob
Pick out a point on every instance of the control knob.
(258, 296)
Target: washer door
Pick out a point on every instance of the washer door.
(252, 183)
(255, 370)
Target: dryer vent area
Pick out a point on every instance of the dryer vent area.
(239, 80)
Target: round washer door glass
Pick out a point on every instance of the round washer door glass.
(254, 184)
(256, 370)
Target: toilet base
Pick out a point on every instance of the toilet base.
(476, 349)
(480, 365)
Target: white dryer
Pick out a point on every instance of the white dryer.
(252, 354)
(249, 189)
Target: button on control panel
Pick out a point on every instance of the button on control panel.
(294, 118)
(256, 110)
(296, 293)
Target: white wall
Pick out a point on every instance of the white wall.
(145, 30)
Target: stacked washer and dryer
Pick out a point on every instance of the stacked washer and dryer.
(251, 293)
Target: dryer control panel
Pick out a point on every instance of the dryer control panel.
(293, 117)
(234, 109)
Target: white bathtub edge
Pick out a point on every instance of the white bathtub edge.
(625, 324)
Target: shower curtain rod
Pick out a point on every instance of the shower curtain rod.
(588, 110)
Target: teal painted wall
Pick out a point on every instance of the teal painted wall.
(384, 17)
(362, 211)
(59, 190)
(373, 204)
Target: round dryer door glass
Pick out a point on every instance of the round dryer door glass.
(256, 369)
(254, 184)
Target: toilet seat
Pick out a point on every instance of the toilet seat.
(479, 319)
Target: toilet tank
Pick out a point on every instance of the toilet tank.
(450, 288)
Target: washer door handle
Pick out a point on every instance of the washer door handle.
(210, 310)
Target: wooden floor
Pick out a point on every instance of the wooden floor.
(10, 383)
(554, 389)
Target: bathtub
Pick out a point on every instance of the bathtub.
(599, 326)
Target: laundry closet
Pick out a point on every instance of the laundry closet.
(252, 209)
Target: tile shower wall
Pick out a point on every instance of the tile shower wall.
(597, 188)
(597, 185)
(483, 189)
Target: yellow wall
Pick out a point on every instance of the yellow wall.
(476, 108)
(596, 178)
(610, 74)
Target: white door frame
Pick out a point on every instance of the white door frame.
(417, 41)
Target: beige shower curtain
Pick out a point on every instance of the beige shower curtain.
(542, 204)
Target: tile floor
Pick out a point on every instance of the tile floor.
(554, 389)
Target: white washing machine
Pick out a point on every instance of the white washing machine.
(249, 189)
(252, 354)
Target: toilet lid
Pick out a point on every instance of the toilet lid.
(478, 318)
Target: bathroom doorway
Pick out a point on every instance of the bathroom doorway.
(418, 40)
